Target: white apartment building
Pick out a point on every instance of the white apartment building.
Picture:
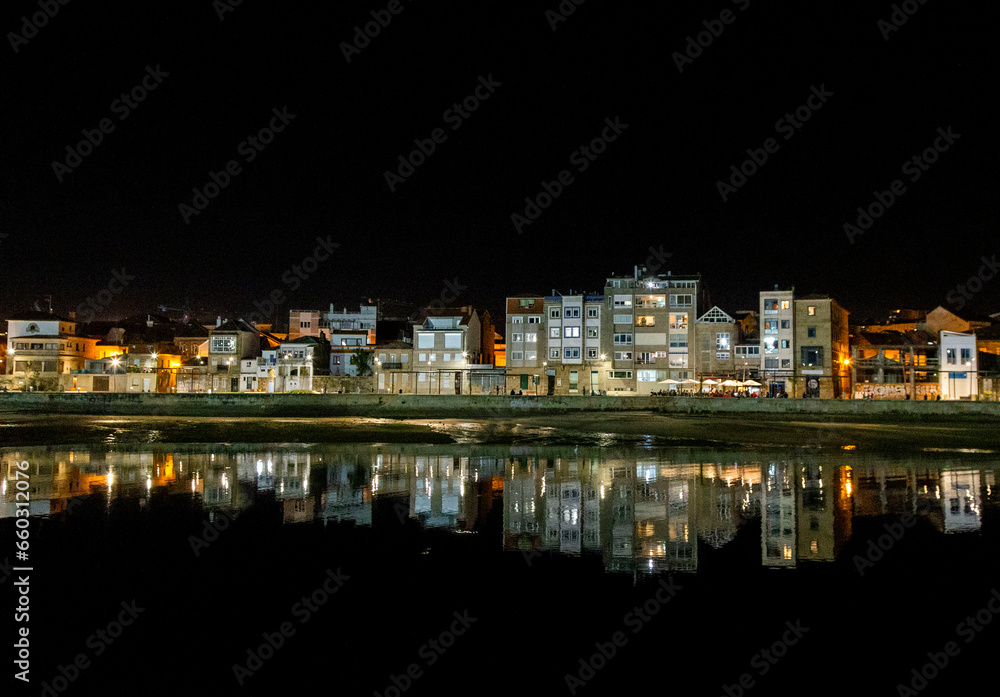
(777, 339)
(958, 376)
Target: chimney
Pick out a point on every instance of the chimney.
(218, 321)
(636, 273)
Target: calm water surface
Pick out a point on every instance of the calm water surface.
(552, 549)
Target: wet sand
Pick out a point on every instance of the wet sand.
(585, 429)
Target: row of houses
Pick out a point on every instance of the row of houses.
(46, 351)
(645, 333)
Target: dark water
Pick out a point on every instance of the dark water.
(856, 565)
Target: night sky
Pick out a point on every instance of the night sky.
(654, 186)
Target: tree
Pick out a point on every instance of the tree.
(363, 360)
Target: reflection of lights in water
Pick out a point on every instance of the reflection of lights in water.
(270, 467)
(111, 478)
(788, 552)
(602, 492)
(260, 467)
(149, 483)
(937, 492)
(225, 481)
(375, 484)
(192, 486)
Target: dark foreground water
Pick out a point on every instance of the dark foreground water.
(464, 569)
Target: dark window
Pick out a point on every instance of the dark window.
(785, 324)
(812, 355)
(812, 332)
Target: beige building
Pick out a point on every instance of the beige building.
(42, 346)
(804, 345)
(716, 336)
(648, 328)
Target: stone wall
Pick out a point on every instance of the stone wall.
(471, 406)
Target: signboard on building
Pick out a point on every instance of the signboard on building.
(894, 390)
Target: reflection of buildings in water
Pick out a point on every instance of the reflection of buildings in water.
(816, 512)
(725, 500)
(437, 490)
(778, 515)
(347, 496)
(960, 491)
(642, 513)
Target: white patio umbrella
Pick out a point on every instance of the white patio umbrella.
(730, 383)
(710, 382)
(668, 381)
(689, 380)
(751, 383)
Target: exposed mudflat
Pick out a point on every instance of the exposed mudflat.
(576, 429)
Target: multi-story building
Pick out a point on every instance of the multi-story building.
(572, 359)
(288, 368)
(804, 345)
(445, 342)
(311, 322)
(716, 335)
(393, 367)
(42, 345)
(649, 329)
(959, 366)
(343, 344)
(526, 345)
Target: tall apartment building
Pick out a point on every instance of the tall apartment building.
(526, 346)
(804, 345)
(649, 329)
(573, 359)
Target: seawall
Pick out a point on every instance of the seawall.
(473, 406)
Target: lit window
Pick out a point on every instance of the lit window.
(784, 304)
(811, 310)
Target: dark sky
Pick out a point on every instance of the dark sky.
(653, 187)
